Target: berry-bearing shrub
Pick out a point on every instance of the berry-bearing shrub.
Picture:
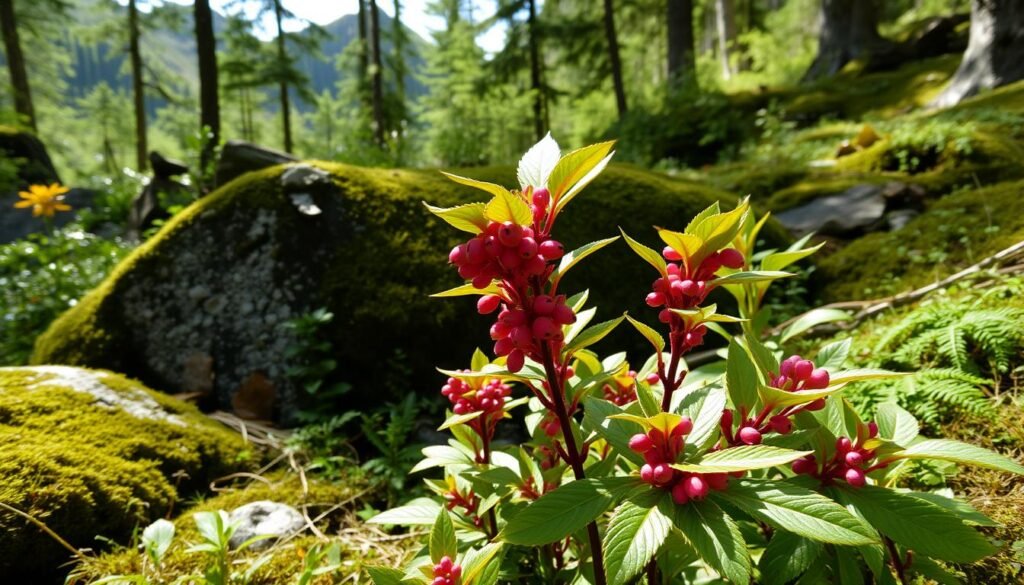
(651, 473)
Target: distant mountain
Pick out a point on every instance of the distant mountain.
(174, 52)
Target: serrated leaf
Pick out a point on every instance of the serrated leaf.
(494, 190)
(536, 165)
(778, 398)
(573, 258)
(741, 379)
(476, 561)
(592, 335)
(468, 289)
(647, 254)
(896, 424)
(713, 209)
(812, 319)
(780, 260)
(385, 575)
(634, 535)
(861, 374)
(468, 218)
(833, 356)
(798, 510)
(926, 528)
(716, 538)
(750, 277)
(649, 334)
(742, 458)
(705, 409)
(586, 180)
(418, 512)
(645, 397)
(957, 452)
(443, 542)
(663, 421)
(440, 456)
(458, 419)
(689, 246)
(962, 509)
(508, 207)
(597, 417)
(787, 557)
(576, 165)
(558, 513)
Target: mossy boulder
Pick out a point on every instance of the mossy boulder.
(92, 453)
(218, 284)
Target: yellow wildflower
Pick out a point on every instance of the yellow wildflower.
(44, 200)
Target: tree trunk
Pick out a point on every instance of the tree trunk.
(539, 127)
(613, 57)
(282, 58)
(209, 104)
(682, 65)
(849, 31)
(379, 127)
(138, 91)
(995, 51)
(16, 64)
(364, 56)
(725, 23)
(398, 44)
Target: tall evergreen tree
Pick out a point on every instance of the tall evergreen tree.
(848, 31)
(282, 61)
(16, 64)
(682, 64)
(209, 100)
(377, 77)
(614, 59)
(138, 88)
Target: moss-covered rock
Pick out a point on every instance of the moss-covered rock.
(956, 230)
(91, 453)
(220, 281)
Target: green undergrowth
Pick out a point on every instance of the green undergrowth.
(88, 469)
(331, 504)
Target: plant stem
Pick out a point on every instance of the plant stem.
(653, 576)
(897, 562)
(492, 519)
(574, 456)
(49, 531)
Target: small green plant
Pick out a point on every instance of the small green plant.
(312, 366)
(391, 435)
(216, 532)
(319, 560)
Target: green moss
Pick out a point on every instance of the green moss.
(959, 229)
(337, 500)
(98, 471)
(382, 254)
(819, 185)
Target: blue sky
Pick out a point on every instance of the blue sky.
(324, 11)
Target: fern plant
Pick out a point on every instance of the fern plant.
(961, 346)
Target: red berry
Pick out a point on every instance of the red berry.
(683, 428)
(475, 253)
(458, 255)
(492, 247)
(679, 494)
(514, 317)
(804, 465)
(750, 436)
(534, 266)
(731, 258)
(482, 281)
(653, 378)
(510, 259)
(541, 198)
(655, 299)
(662, 474)
(641, 443)
(516, 360)
(563, 315)
(696, 487)
(664, 315)
(510, 234)
(544, 328)
(527, 248)
(816, 405)
(551, 250)
(817, 380)
(469, 271)
(855, 477)
(521, 336)
(647, 473)
(544, 305)
(843, 444)
(688, 288)
(717, 481)
(711, 264)
(786, 367)
(670, 254)
(872, 429)
(854, 459)
(781, 424)
(488, 304)
(445, 565)
(503, 346)
(802, 369)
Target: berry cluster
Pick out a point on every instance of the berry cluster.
(621, 391)
(795, 374)
(446, 572)
(660, 451)
(851, 462)
(504, 251)
(519, 331)
(687, 287)
(490, 398)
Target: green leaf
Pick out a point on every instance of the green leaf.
(468, 289)
(458, 419)
(962, 509)
(926, 528)
(648, 403)
(649, 333)
(957, 452)
(418, 512)
(468, 218)
(812, 319)
(592, 335)
(596, 417)
(558, 513)
(386, 575)
(716, 538)
(650, 256)
(705, 408)
(779, 398)
(741, 377)
(832, 356)
(896, 424)
(508, 207)
(798, 510)
(575, 190)
(742, 458)
(634, 535)
(156, 539)
(494, 190)
(787, 557)
(576, 165)
(536, 165)
(476, 562)
(443, 542)
(780, 260)
(441, 455)
(573, 258)
(479, 360)
(861, 374)
(717, 231)
(750, 277)
(847, 567)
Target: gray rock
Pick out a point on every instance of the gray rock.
(238, 157)
(264, 518)
(302, 176)
(857, 209)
